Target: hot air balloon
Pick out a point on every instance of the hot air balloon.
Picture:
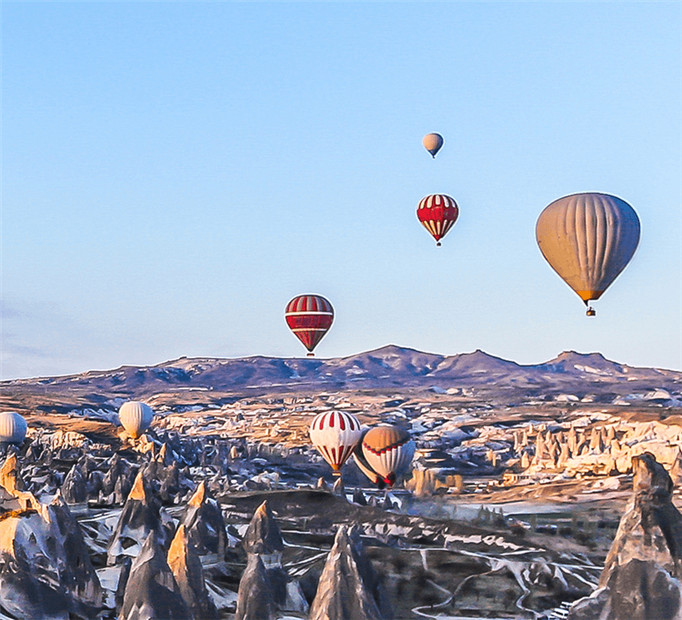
(12, 427)
(438, 213)
(335, 434)
(135, 417)
(432, 143)
(588, 239)
(388, 451)
(309, 317)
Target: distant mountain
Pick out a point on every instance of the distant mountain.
(390, 367)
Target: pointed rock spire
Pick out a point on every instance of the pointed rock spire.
(140, 517)
(642, 570)
(348, 587)
(186, 568)
(254, 599)
(204, 523)
(263, 535)
(151, 591)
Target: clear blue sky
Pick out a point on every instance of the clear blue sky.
(173, 173)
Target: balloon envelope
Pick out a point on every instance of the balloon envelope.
(438, 214)
(388, 450)
(309, 317)
(135, 417)
(12, 427)
(432, 143)
(335, 434)
(588, 239)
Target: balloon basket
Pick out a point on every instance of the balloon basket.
(438, 244)
(310, 355)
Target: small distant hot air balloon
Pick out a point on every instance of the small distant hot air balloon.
(432, 143)
(335, 434)
(309, 317)
(388, 451)
(135, 417)
(12, 427)
(438, 213)
(588, 239)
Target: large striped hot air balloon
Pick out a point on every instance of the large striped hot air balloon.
(335, 434)
(135, 417)
(588, 239)
(432, 143)
(438, 213)
(309, 317)
(388, 451)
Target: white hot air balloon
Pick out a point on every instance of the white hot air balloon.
(335, 435)
(12, 427)
(588, 239)
(135, 417)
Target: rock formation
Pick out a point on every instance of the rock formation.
(140, 516)
(45, 568)
(255, 600)
(151, 591)
(204, 523)
(641, 576)
(186, 568)
(348, 586)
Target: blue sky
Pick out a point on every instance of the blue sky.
(173, 173)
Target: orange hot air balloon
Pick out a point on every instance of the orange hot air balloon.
(588, 239)
(388, 451)
(438, 214)
(309, 317)
(433, 142)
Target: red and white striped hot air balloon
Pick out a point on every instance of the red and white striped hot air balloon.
(438, 213)
(309, 317)
(388, 450)
(335, 434)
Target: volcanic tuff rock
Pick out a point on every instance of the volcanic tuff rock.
(45, 568)
(255, 599)
(641, 576)
(263, 536)
(348, 586)
(141, 515)
(186, 567)
(151, 591)
(204, 523)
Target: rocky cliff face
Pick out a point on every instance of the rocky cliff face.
(640, 580)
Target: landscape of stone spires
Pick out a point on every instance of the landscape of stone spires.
(640, 580)
(185, 565)
(348, 587)
(151, 592)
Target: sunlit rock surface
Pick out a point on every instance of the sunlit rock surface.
(151, 591)
(640, 580)
(348, 586)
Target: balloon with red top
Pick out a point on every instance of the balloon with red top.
(335, 434)
(388, 451)
(438, 214)
(309, 317)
